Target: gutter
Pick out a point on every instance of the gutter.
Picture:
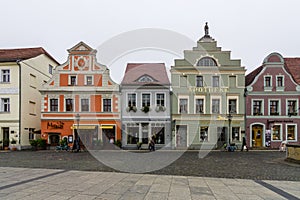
(20, 98)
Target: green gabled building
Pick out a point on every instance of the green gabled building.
(208, 105)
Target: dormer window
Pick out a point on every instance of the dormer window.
(145, 79)
(207, 61)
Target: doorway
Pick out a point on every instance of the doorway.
(5, 132)
(257, 135)
(181, 136)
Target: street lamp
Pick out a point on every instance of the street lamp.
(229, 116)
(76, 139)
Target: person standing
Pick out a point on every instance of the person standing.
(244, 144)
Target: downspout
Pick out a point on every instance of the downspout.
(20, 98)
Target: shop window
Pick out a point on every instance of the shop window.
(235, 133)
(132, 133)
(158, 131)
(203, 134)
(276, 132)
(291, 132)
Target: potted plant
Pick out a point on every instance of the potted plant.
(160, 108)
(33, 144)
(131, 108)
(6, 144)
(145, 109)
(13, 142)
(41, 144)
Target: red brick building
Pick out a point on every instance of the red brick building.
(81, 95)
(272, 102)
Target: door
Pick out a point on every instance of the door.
(181, 136)
(221, 132)
(5, 132)
(257, 135)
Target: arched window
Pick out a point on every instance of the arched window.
(206, 61)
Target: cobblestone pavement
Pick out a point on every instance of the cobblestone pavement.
(255, 165)
(50, 184)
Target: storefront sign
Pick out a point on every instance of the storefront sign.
(55, 125)
(207, 89)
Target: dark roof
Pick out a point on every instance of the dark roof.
(292, 66)
(251, 76)
(134, 71)
(13, 55)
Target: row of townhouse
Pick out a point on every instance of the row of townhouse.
(208, 102)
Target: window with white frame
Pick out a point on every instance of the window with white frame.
(207, 61)
(54, 105)
(160, 99)
(106, 105)
(69, 105)
(268, 81)
(199, 105)
(199, 81)
(203, 133)
(232, 106)
(72, 80)
(274, 107)
(85, 105)
(5, 76)
(145, 100)
(279, 81)
(215, 106)
(291, 107)
(131, 99)
(276, 133)
(257, 107)
(5, 105)
(215, 81)
(50, 69)
(89, 80)
(291, 132)
(183, 105)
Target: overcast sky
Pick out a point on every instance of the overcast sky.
(249, 29)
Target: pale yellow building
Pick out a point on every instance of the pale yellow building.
(22, 73)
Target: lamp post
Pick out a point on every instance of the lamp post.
(229, 116)
(76, 139)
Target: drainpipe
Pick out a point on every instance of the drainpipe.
(20, 98)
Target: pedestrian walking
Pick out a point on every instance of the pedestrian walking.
(152, 144)
(244, 144)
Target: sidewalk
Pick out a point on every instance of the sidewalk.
(49, 184)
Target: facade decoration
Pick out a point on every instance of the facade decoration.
(273, 94)
(81, 99)
(145, 90)
(22, 73)
(208, 97)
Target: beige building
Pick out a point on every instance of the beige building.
(22, 73)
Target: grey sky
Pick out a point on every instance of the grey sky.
(249, 29)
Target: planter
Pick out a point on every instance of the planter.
(14, 148)
(6, 148)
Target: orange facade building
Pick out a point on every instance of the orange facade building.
(81, 98)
